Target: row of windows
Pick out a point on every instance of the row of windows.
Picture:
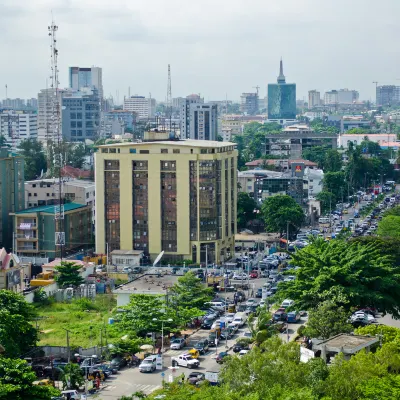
(177, 151)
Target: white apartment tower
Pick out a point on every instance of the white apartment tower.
(144, 107)
(314, 98)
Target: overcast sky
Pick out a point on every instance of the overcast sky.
(216, 48)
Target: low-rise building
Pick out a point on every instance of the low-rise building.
(356, 138)
(126, 258)
(353, 121)
(12, 272)
(35, 230)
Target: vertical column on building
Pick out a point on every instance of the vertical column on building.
(125, 203)
(183, 205)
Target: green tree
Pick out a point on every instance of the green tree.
(328, 201)
(389, 226)
(72, 377)
(349, 274)
(246, 207)
(332, 161)
(334, 182)
(220, 138)
(129, 345)
(68, 274)
(327, 320)
(76, 157)
(3, 141)
(16, 382)
(16, 304)
(315, 154)
(279, 211)
(382, 388)
(34, 158)
(189, 292)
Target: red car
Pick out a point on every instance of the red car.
(253, 274)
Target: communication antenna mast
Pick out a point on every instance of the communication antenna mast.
(169, 97)
(58, 159)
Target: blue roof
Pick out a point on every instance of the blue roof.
(50, 208)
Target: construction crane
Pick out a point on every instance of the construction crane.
(256, 87)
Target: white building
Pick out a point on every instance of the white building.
(203, 121)
(346, 96)
(144, 107)
(86, 78)
(313, 181)
(331, 97)
(44, 192)
(314, 98)
(184, 112)
(16, 126)
(382, 139)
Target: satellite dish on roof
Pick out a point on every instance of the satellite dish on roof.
(158, 258)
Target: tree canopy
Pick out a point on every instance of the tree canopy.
(245, 209)
(34, 158)
(68, 274)
(350, 274)
(389, 226)
(280, 210)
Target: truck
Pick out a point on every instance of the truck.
(185, 360)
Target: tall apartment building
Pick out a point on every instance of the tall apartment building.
(314, 98)
(91, 78)
(281, 99)
(387, 95)
(184, 111)
(46, 99)
(249, 103)
(142, 106)
(15, 104)
(16, 126)
(80, 115)
(203, 123)
(177, 196)
(11, 193)
(32, 103)
(346, 96)
(331, 97)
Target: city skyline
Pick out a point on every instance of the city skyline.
(203, 60)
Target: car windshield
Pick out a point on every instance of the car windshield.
(176, 341)
(145, 362)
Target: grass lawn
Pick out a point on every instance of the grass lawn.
(84, 319)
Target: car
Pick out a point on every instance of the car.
(247, 334)
(243, 352)
(262, 303)
(118, 362)
(137, 270)
(239, 277)
(259, 293)
(148, 364)
(251, 302)
(239, 347)
(227, 333)
(279, 315)
(229, 317)
(106, 370)
(185, 360)
(127, 270)
(221, 357)
(177, 344)
(71, 394)
(287, 303)
(233, 327)
(293, 317)
(195, 378)
(253, 274)
(100, 269)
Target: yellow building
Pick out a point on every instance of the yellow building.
(173, 195)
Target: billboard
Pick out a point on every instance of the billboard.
(13, 278)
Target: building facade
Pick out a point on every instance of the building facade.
(203, 121)
(314, 98)
(91, 78)
(281, 99)
(172, 196)
(249, 103)
(11, 193)
(346, 96)
(387, 95)
(142, 106)
(331, 97)
(16, 126)
(184, 113)
(80, 115)
(35, 230)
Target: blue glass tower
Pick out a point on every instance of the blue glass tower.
(281, 98)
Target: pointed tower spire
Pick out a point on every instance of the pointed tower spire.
(281, 77)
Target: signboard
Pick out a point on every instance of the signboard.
(306, 354)
(60, 238)
(13, 278)
(24, 225)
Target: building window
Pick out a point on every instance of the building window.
(144, 151)
(169, 229)
(104, 150)
(176, 151)
(164, 151)
(132, 151)
(111, 165)
(113, 151)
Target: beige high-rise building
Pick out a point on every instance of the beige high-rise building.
(314, 98)
(176, 196)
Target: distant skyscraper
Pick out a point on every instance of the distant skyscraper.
(331, 97)
(249, 103)
(387, 95)
(86, 78)
(203, 121)
(346, 96)
(281, 99)
(15, 104)
(16, 126)
(142, 106)
(314, 98)
(184, 111)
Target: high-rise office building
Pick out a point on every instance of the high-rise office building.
(184, 112)
(177, 196)
(281, 99)
(346, 96)
(16, 126)
(331, 97)
(80, 115)
(142, 106)
(86, 78)
(203, 123)
(12, 194)
(249, 103)
(32, 103)
(314, 98)
(387, 95)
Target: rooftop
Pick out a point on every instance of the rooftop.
(71, 182)
(49, 209)
(346, 343)
(185, 143)
(149, 284)
(127, 252)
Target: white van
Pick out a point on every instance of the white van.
(287, 303)
(240, 319)
(323, 220)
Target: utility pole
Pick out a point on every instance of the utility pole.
(68, 349)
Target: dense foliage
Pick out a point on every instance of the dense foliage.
(246, 209)
(68, 274)
(34, 158)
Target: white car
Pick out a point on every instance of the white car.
(185, 360)
(229, 317)
(243, 352)
(362, 314)
(148, 364)
(239, 277)
(251, 302)
(262, 303)
(177, 344)
(127, 270)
